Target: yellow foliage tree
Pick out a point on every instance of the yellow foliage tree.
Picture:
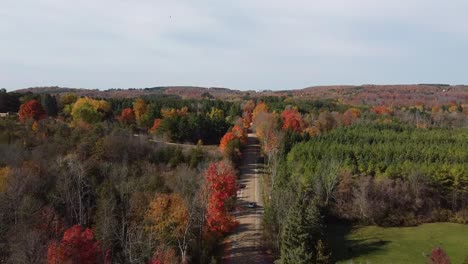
(260, 108)
(171, 112)
(89, 110)
(216, 113)
(139, 107)
(167, 217)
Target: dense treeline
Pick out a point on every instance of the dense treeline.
(387, 174)
(387, 150)
(98, 194)
(278, 104)
(104, 178)
(81, 181)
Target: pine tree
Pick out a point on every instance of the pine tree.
(50, 104)
(301, 231)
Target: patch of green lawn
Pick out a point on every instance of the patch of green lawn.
(373, 244)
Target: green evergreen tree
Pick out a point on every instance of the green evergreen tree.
(50, 104)
(301, 231)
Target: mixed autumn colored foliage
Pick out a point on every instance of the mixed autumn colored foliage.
(135, 200)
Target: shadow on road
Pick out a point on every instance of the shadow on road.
(245, 243)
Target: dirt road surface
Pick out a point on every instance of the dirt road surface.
(245, 245)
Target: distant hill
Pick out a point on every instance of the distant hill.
(182, 91)
(391, 95)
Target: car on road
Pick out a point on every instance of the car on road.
(251, 205)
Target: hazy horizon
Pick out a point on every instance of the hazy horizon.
(246, 45)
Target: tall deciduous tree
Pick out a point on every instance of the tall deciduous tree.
(32, 109)
(249, 106)
(77, 246)
(169, 221)
(156, 125)
(260, 108)
(292, 119)
(247, 115)
(127, 117)
(350, 116)
(221, 188)
(240, 133)
(228, 143)
(90, 110)
(139, 107)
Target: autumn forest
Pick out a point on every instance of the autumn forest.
(156, 175)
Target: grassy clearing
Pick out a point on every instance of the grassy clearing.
(372, 244)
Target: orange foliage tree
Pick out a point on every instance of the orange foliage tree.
(127, 117)
(32, 109)
(171, 112)
(350, 116)
(221, 188)
(246, 119)
(382, 110)
(292, 119)
(167, 217)
(260, 108)
(247, 115)
(229, 145)
(240, 133)
(169, 221)
(156, 125)
(77, 246)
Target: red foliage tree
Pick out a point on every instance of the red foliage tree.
(221, 187)
(438, 256)
(77, 246)
(32, 109)
(292, 119)
(128, 116)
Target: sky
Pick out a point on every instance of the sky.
(242, 44)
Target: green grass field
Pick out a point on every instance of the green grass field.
(372, 244)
